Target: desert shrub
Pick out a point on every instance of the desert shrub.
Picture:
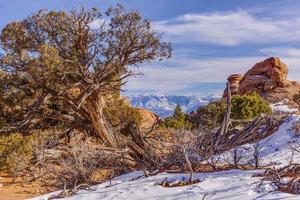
(19, 152)
(16, 152)
(79, 164)
(210, 115)
(120, 113)
(179, 120)
(182, 141)
(243, 107)
(249, 106)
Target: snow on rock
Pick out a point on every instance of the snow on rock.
(282, 107)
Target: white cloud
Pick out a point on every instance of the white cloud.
(182, 72)
(288, 52)
(229, 29)
(188, 72)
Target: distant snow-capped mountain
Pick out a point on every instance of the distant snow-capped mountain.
(164, 105)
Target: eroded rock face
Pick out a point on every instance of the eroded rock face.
(267, 78)
(234, 82)
(148, 118)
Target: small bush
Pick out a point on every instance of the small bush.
(179, 120)
(243, 107)
(249, 106)
(209, 116)
(80, 164)
(120, 113)
(16, 152)
(78, 167)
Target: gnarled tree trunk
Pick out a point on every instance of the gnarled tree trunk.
(103, 130)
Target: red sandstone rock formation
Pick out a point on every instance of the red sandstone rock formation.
(234, 82)
(267, 78)
(148, 118)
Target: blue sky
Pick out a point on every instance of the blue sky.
(211, 38)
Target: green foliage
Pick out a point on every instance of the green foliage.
(249, 106)
(16, 152)
(210, 115)
(119, 113)
(55, 68)
(243, 107)
(179, 120)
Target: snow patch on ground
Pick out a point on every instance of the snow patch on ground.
(276, 150)
(223, 185)
(232, 184)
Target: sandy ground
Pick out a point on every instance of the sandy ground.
(16, 193)
(13, 190)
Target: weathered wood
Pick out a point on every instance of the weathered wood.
(103, 130)
(188, 163)
(136, 135)
(258, 129)
(226, 119)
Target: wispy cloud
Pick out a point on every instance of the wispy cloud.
(184, 74)
(253, 34)
(288, 52)
(229, 29)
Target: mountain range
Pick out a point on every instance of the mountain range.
(164, 105)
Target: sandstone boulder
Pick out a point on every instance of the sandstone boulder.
(267, 78)
(234, 82)
(148, 118)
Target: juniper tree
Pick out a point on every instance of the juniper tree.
(179, 120)
(59, 67)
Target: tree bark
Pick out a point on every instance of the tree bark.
(103, 130)
(226, 119)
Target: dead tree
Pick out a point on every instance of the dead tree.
(216, 138)
(290, 173)
(226, 119)
(224, 139)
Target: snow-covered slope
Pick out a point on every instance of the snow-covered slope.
(164, 105)
(223, 185)
(275, 150)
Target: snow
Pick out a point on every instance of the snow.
(164, 105)
(228, 185)
(274, 150)
(282, 107)
(231, 185)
